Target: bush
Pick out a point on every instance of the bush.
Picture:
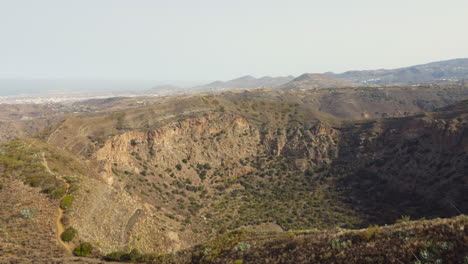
(178, 167)
(370, 232)
(27, 213)
(133, 255)
(242, 246)
(115, 256)
(1, 186)
(66, 202)
(202, 175)
(404, 219)
(74, 187)
(83, 250)
(58, 193)
(68, 234)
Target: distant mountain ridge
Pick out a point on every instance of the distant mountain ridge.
(447, 71)
(246, 82)
(453, 71)
(316, 80)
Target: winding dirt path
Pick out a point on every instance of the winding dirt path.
(58, 222)
(53, 133)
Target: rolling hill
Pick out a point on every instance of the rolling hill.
(314, 81)
(443, 71)
(245, 82)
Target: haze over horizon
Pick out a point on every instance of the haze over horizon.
(220, 40)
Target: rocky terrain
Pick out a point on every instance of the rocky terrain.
(234, 176)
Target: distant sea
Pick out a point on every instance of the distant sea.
(12, 87)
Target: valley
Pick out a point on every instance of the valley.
(204, 174)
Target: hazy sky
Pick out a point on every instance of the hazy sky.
(220, 39)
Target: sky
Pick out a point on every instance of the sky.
(193, 41)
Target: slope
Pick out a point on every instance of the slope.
(449, 70)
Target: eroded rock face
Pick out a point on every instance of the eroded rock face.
(220, 140)
(313, 146)
(115, 219)
(214, 139)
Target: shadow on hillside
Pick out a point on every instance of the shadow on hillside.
(390, 176)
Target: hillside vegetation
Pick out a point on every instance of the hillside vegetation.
(235, 176)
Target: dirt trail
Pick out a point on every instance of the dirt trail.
(58, 222)
(53, 133)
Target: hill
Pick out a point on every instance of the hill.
(168, 174)
(435, 241)
(245, 82)
(315, 80)
(445, 71)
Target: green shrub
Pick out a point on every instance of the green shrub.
(178, 167)
(242, 246)
(27, 213)
(133, 255)
(83, 250)
(370, 232)
(404, 219)
(58, 193)
(115, 256)
(68, 234)
(34, 181)
(74, 187)
(1, 186)
(202, 175)
(66, 202)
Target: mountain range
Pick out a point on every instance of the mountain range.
(448, 71)
(445, 71)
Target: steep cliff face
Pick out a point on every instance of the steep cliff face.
(176, 171)
(215, 139)
(130, 208)
(314, 145)
(220, 140)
